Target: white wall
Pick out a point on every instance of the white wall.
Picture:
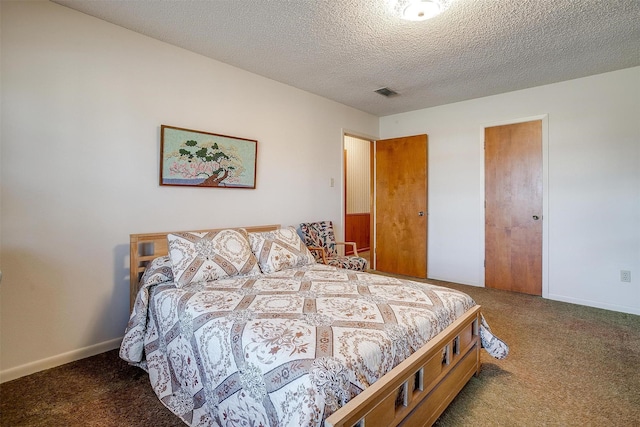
(82, 105)
(592, 200)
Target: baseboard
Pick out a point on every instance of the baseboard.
(458, 282)
(595, 304)
(61, 359)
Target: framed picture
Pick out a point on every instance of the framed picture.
(202, 159)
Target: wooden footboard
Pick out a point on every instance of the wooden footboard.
(145, 247)
(419, 389)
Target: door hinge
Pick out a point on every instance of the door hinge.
(485, 262)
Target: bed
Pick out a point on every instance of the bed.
(276, 339)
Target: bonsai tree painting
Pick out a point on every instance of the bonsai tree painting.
(203, 159)
(216, 164)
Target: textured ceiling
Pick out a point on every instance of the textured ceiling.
(345, 49)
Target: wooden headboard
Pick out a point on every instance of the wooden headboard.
(148, 246)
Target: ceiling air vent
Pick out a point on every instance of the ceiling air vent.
(385, 91)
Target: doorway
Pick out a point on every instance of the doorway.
(513, 162)
(358, 161)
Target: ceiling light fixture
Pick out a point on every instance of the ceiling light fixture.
(419, 10)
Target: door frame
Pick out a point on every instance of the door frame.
(545, 197)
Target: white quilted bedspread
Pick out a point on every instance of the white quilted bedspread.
(283, 349)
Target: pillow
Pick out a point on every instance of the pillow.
(280, 249)
(198, 257)
(158, 271)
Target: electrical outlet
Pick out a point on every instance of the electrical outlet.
(625, 276)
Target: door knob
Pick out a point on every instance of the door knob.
(421, 213)
(536, 217)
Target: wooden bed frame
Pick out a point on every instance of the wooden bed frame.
(414, 393)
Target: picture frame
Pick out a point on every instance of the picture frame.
(195, 158)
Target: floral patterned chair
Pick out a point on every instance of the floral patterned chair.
(320, 239)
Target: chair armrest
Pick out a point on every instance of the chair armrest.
(355, 247)
(321, 250)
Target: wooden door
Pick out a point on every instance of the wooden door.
(401, 206)
(513, 207)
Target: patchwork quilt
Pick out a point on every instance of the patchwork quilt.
(281, 349)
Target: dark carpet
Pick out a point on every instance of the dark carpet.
(569, 366)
